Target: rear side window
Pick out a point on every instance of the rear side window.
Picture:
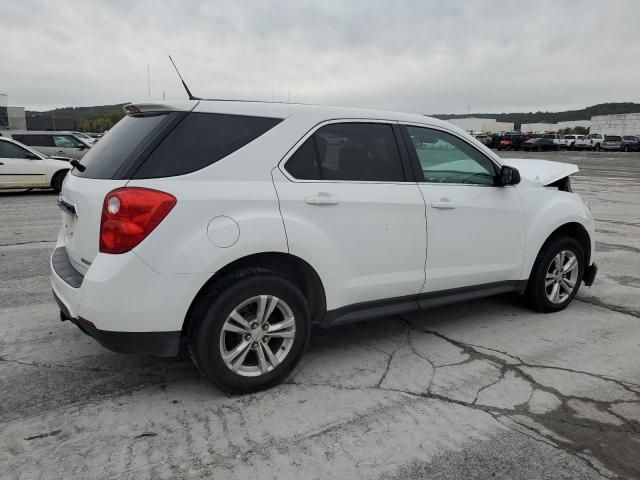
(200, 140)
(350, 152)
(35, 140)
(123, 142)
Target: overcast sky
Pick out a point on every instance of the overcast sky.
(419, 56)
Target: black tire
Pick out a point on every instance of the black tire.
(211, 312)
(535, 294)
(626, 148)
(597, 147)
(539, 148)
(58, 178)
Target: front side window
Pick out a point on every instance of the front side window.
(10, 150)
(365, 152)
(445, 158)
(65, 141)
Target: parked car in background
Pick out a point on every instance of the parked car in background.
(570, 140)
(555, 138)
(539, 144)
(158, 252)
(51, 143)
(593, 141)
(631, 143)
(612, 143)
(88, 139)
(23, 167)
(512, 141)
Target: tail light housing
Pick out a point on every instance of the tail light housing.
(129, 215)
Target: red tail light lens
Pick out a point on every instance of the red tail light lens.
(129, 215)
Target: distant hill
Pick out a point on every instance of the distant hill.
(76, 113)
(87, 119)
(553, 117)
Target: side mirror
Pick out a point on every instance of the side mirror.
(31, 156)
(508, 176)
(81, 147)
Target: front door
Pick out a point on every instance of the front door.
(475, 229)
(349, 209)
(20, 167)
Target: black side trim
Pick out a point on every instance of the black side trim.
(414, 303)
(162, 344)
(590, 274)
(64, 269)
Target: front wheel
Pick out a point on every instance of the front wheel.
(250, 331)
(556, 275)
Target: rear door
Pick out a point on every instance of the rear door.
(475, 230)
(20, 167)
(69, 146)
(353, 211)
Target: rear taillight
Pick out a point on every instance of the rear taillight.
(130, 214)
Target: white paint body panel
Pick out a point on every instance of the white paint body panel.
(380, 241)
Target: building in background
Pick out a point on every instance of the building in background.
(4, 114)
(485, 125)
(12, 118)
(538, 127)
(623, 124)
(17, 118)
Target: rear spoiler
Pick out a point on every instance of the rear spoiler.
(133, 109)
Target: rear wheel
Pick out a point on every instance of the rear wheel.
(56, 181)
(626, 148)
(597, 147)
(556, 275)
(250, 331)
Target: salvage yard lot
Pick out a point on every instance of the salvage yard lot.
(474, 390)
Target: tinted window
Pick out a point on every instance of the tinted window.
(612, 138)
(200, 140)
(444, 158)
(65, 141)
(34, 140)
(349, 151)
(11, 150)
(113, 150)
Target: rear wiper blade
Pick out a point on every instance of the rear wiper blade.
(77, 165)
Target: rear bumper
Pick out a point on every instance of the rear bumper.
(590, 274)
(124, 304)
(163, 344)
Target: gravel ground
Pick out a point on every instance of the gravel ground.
(484, 389)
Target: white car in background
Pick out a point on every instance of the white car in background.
(22, 167)
(51, 143)
(229, 228)
(569, 141)
(593, 141)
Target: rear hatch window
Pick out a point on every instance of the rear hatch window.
(170, 144)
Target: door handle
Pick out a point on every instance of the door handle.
(60, 151)
(321, 198)
(1, 163)
(444, 204)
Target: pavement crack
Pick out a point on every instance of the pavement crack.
(43, 435)
(26, 243)
(616, 308)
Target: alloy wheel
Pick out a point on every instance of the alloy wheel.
(257, 335)
(562, 275)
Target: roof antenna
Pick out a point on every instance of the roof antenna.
(191, 97)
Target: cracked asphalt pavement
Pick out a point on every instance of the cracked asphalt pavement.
(484, 389)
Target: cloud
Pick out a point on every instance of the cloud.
(424, 57)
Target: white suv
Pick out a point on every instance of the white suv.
(229, 228)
